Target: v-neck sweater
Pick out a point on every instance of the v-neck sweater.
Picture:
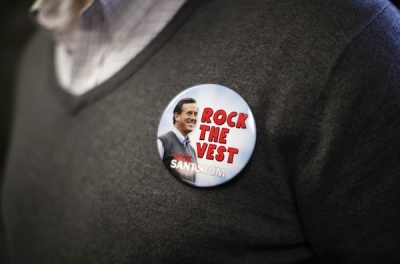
(85, 184)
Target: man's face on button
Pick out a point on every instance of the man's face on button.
(186, 120)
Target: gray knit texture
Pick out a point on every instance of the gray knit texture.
(85, 183)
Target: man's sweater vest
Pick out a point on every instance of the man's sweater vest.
(174, 157)
(84, 181)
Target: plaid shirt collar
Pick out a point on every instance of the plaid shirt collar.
(53, 15)
(112, 12)
(107, 35)
(184, 141)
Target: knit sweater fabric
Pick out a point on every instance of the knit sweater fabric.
(85, 184)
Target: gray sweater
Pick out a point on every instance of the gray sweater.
(85, 184)
(172, 146)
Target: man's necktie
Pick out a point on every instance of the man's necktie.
(186, 142)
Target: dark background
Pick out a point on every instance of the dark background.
(16, 29)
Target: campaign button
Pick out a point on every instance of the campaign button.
(206, 135)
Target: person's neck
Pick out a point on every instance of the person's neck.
(185, 135)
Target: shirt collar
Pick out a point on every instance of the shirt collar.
(54, 15)
(57, 17)
(92, 14)
(113, 9)
(114, 13)
(178, 134)
(108, 11)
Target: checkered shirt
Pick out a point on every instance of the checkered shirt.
(108, 34)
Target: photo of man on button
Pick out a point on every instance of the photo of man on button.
(175, 150)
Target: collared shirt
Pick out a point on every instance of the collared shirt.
(106, 36)
(184, 141)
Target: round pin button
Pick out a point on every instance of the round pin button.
(206, 135)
